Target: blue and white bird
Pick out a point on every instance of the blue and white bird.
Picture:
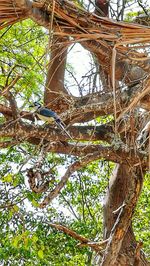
(49, 116)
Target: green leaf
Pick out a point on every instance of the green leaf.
(34, 238)
(8, 178)
(15, 241)
(41, 254)
(15, 208)
(35, 203)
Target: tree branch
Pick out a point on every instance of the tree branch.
(103, 152)
(97, 246)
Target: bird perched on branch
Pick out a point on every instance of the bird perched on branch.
(49, 116)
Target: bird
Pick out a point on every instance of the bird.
(49, 116)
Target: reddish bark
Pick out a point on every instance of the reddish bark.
(120, 186)
(101, 8)
(55, 96)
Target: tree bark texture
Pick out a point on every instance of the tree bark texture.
(55, 94)
(120, 186)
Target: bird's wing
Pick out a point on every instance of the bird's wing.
(47, 112)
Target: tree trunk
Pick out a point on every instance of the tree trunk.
(55, 94)
(118, 190)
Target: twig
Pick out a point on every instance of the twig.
(13, 82)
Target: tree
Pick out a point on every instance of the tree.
(120, 105)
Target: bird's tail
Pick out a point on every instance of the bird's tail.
(62, 126)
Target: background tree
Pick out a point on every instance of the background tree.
(105, 113)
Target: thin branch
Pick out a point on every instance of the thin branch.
(13, 82)
(11, 205)
(142, 6)
(70, 207)
(97, 246)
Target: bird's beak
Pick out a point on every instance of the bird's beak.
(31, 105)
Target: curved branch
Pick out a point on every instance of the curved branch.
(97, 246)
(104, 152)
(71, 169)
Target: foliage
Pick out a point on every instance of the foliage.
(22, 52)
(27, 238)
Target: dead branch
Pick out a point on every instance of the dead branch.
(36, 181)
